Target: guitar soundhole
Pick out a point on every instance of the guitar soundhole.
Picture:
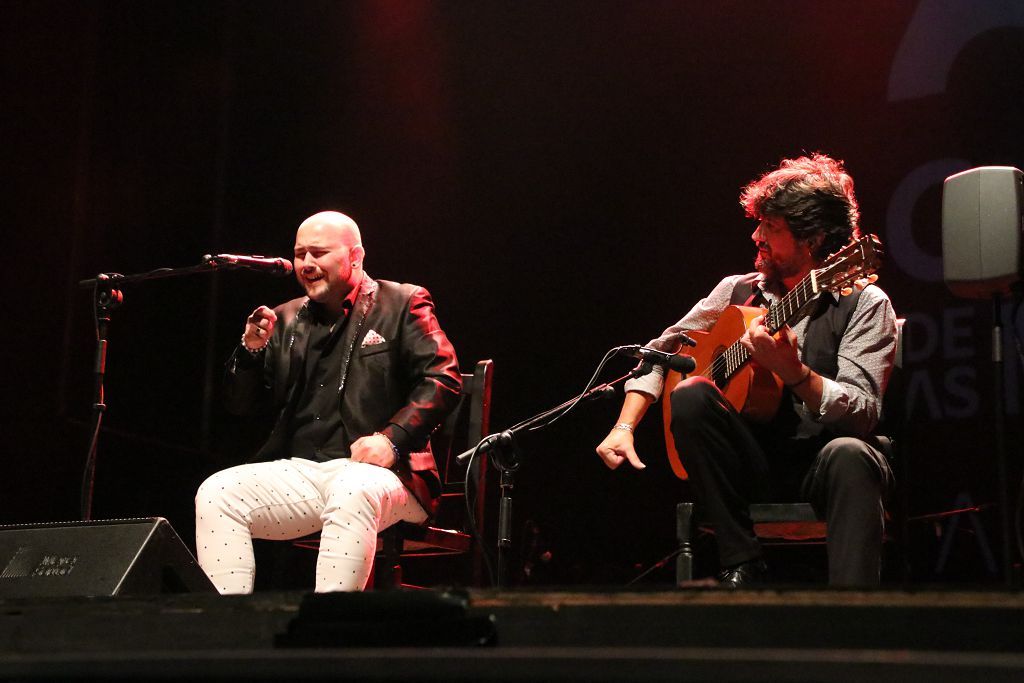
(717, 372)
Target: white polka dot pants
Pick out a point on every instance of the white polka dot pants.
(348, 502)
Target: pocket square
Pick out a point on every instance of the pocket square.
(372, 338)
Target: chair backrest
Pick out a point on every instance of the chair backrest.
(462, 430)
(900, 324)
(892, 419)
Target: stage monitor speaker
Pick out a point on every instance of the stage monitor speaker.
(108, 557)
(981, 231)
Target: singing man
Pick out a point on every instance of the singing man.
(354, 377)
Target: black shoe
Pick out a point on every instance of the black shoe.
(744, 575)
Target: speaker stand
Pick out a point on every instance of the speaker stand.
(999, 420)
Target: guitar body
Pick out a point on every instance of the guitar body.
(753, 391)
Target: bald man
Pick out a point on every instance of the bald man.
(355, 375)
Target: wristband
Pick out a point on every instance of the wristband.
(394, 448)
(624, 426)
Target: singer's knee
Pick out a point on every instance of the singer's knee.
(353, 504)
(217, 497)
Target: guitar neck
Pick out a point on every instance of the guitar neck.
(790, 307)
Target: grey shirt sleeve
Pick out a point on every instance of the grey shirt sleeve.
(852, 402)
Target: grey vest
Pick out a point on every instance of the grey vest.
(828, 321)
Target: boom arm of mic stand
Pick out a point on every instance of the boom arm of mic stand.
(117, 279)
(492, 442)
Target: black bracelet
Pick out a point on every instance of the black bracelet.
(807, 376)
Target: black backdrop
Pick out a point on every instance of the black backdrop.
(562, 176)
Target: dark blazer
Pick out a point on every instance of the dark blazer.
(404, 385)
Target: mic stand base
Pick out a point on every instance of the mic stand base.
(106, 299)
(505, 457)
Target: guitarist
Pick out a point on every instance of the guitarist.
(834, 365)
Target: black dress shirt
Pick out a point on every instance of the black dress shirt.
(317, 429)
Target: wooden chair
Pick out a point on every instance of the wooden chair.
(798, 523)
(448, 532)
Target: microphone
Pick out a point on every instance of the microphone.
(264, 264)
(681, 364)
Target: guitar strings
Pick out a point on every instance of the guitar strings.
(733, 358)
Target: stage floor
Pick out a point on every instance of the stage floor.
(593, 635)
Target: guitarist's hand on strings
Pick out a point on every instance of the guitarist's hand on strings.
(777, 354)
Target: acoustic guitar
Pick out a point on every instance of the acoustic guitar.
(753, 391)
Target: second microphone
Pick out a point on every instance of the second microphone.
(681, 364)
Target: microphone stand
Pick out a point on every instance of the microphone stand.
(505, 456)
(107, 296)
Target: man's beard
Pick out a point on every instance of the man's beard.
(774, 270)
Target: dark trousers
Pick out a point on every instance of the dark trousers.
(732, 464)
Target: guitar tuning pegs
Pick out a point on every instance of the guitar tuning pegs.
(846, 291)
